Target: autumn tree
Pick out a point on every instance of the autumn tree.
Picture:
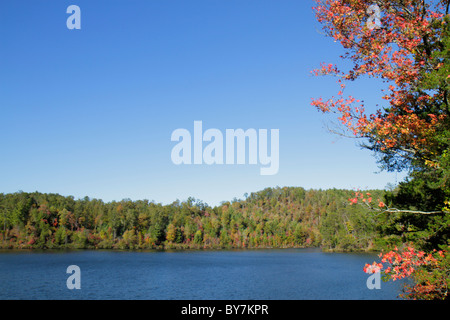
(405, 44)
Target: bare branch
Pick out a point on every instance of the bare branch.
(395, 210)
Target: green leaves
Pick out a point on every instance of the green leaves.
(273, 217)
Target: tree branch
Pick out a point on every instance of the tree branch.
(395, 210)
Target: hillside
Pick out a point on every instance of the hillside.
(273, 217)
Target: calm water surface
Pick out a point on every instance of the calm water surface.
(285, 274)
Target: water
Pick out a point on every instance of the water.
(285, 274)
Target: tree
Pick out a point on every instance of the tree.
(171, 233)
(198, 237)
(410, 54)
(409, 50)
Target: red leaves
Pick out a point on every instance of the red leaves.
(365, 198)
(392, 53)
(404, 263)
(429, 270)
(325, 69)
(373, 268)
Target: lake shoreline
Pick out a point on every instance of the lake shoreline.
(181, 249)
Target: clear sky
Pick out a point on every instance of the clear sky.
(90, 112)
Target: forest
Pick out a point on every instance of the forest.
(273, 217)
(403, 44)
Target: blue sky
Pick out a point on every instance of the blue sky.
(90, 112)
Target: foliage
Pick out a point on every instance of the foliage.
(430, 271)
(273, 217)
(409, 50)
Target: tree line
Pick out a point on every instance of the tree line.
(273, 217)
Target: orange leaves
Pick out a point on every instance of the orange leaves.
(406, 130)
(393, 53)
(404, 263)
(325, 69)
(365, 198)
(373, 268)
(321, 105)
(429, 271)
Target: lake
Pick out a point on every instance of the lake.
(272, 274)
